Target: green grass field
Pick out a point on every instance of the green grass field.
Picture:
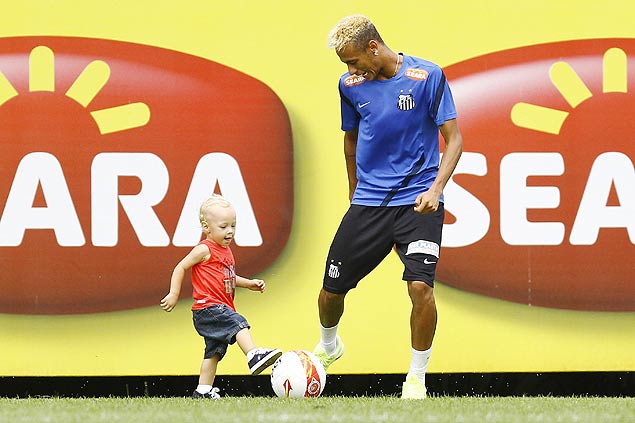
(325, 409)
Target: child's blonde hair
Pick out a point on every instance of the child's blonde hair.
(355, 30)
(214, 200)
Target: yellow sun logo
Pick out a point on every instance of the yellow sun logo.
(83, 90)
(573, 90)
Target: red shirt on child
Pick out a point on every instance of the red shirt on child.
(214, 280)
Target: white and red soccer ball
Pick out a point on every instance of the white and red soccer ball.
(298, 374)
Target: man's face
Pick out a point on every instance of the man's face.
(359, 62)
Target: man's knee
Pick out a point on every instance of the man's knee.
(420, 293)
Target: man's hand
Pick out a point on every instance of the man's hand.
(427, 202)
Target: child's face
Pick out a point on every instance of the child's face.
(220, 224)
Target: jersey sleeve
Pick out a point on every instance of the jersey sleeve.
(350, 116)
(441, 102)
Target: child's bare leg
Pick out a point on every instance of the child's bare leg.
(245, 341)
(208, 371)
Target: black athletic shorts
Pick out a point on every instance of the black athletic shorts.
(368, 234)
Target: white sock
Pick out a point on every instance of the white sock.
(328, 339)
(419, 363)
(203, 389)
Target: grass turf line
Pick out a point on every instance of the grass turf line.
(325, 409)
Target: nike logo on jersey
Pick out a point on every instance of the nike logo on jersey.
(426, 261)
(362, 105)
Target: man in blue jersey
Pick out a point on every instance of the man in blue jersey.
(393, 107)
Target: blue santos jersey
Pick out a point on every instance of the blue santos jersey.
(398, 121)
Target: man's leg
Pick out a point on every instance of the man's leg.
(331, 308)
(361, 242)
(423, 317)
(423, 322)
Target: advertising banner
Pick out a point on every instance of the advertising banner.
(118, 119)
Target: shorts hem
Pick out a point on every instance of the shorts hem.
(417, 279)
(336, 291)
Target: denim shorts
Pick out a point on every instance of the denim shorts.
(218, 325)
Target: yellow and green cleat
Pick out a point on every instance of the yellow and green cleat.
(326, 359)
(413, 388)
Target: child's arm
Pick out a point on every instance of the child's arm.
(198, 254)
(252, 284)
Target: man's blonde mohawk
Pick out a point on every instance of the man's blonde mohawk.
(347, 31)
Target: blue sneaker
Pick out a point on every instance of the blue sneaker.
(262, 359)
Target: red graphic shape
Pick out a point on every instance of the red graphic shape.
(287, 387)
(196, 107)
(600, 276)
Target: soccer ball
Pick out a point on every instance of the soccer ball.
(298, 374)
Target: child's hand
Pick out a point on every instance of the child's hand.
(251, 284)
(257, 285)
(169, 302)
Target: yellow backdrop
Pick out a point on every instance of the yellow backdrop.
(283, 43)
